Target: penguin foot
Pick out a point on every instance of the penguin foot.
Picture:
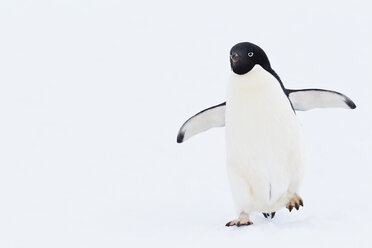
(267, 215)
(239, 222)
(243, 220)
(295, 202)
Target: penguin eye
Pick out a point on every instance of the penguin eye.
(250, 54)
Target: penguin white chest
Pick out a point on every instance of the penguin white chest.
(263, 142)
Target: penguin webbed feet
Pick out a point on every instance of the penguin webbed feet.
(243, 220)
(295, 202)
(239, 222)
(267, 215)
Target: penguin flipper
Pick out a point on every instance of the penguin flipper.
(202, 121)
(306, 99)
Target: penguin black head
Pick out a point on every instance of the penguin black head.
(244, 56)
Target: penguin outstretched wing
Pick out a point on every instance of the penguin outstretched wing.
(302, 100)
(202, 121)
(307, 99)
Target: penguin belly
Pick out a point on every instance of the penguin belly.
(263, 143)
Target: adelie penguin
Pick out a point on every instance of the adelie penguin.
(263, 136)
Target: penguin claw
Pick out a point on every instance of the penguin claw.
(297, 206)
(267, 215)
(244, 223)
(295, 202)
(230, 223)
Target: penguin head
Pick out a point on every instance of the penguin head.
(244, 56)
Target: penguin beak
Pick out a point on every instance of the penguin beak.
(234, 57)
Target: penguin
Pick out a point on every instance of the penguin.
(264, 147)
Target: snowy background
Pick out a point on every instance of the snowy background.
(92, 94)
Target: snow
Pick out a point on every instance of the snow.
(92, 94)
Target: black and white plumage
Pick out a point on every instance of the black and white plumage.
(263, 137)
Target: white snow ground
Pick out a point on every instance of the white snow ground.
(92, 94)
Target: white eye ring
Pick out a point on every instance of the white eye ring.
(250, 54)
